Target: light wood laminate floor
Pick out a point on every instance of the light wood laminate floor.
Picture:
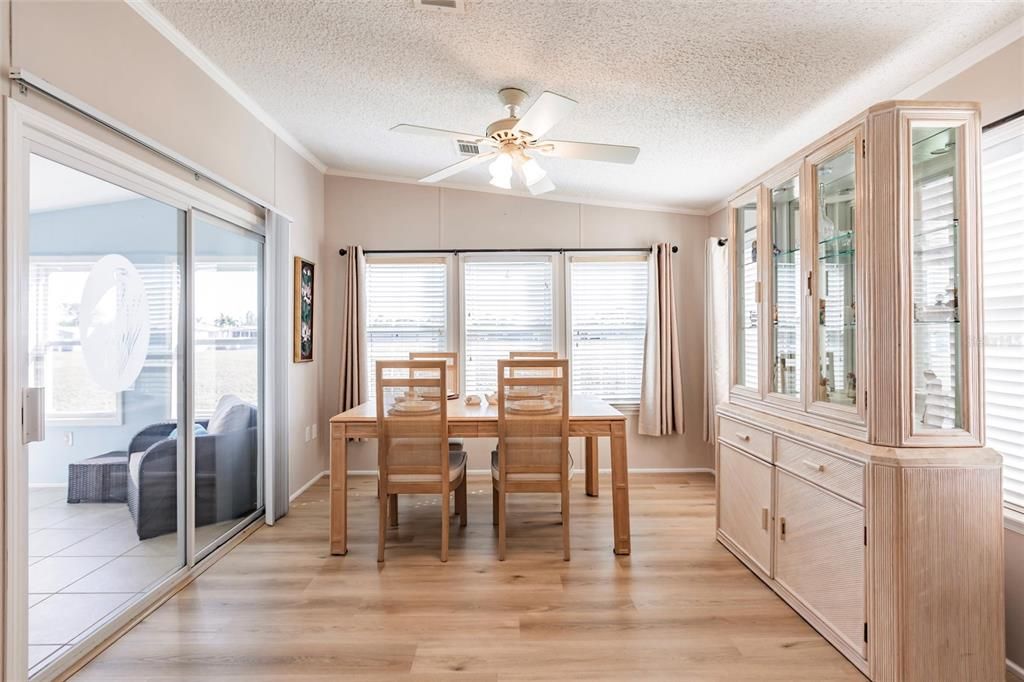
(681, 607)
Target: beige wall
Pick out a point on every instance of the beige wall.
(105, 54)
(997, 82)
(385, 215)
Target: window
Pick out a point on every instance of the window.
(508, 306)
(608, 325)
(406, 309)
(1003, 244)
(55, 359)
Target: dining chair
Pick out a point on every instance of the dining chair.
(452, 377)
(533, 438)
(413, 455)
(533, 355)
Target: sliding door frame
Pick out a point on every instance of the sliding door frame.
(29, 131)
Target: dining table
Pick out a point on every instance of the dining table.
(589, 418)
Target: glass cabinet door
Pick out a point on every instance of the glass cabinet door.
(747, 296)
(786, 290)
(835, 307)
(935, 276)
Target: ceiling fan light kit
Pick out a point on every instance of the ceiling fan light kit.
(509, 139)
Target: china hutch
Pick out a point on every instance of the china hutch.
(852, 477)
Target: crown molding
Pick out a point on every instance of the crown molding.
(158, 21)
(567, 199)
(965, 60)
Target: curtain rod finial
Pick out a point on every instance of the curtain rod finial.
(342, 252)
(675, 249)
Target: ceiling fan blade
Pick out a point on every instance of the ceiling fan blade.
(589, 151)
(437, 132)
(548, 110)
(465, 164)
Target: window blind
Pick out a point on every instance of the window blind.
(1003, 244)
(609, 322)
(508, 306)
(406, 310)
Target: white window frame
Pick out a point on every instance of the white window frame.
(626, 408)
(452, 307)
(1013, 513)
(558, 305)
(113, 417)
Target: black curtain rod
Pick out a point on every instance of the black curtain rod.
(1005, 119)
(343, 252)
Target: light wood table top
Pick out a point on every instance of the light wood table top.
(581, 407)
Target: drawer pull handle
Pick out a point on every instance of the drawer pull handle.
(782, 528)
(764, 518)
(742, 436)
(820, 468)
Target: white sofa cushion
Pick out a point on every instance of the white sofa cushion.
(231, 414)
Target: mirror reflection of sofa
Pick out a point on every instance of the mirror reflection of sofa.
(226, 470)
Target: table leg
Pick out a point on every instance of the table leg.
(339, 490)
(592, 475)
(620, 489)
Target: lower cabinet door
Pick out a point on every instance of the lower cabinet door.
(745, 504)
(819, 556)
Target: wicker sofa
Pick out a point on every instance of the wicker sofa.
(226, 474)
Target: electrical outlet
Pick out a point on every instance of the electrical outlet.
(69, 438)
(314, 431)
(307, 434)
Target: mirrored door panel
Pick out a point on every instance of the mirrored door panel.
(747, 304)
(786, 287)
(836, 304)
(935, 277)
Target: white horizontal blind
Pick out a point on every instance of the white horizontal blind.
(1003, 244)
(609, 322)
(406, 310)
(509, 306)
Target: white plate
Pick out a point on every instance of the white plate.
(524, 394)
(416, 407)
(531, 406)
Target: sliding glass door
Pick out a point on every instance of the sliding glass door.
(139, 353)
(227, 301)
(104, 488)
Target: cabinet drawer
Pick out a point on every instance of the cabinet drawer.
(753, 440)
(839, 475)
(745, 504)
(819, 556)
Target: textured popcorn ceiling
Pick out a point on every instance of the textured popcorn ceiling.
(713, 93)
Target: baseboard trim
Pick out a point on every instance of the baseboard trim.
(309, 484)
(485, 472)
(1015, 671)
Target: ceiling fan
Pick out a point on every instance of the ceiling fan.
(515, 142)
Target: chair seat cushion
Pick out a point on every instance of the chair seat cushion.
(456, 466)
(526, 477)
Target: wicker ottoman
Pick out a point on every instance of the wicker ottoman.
(103, 478)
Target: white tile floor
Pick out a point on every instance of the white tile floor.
(86, 563)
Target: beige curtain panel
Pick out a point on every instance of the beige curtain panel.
(716, 333)
(353, 332)
(661, 394)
